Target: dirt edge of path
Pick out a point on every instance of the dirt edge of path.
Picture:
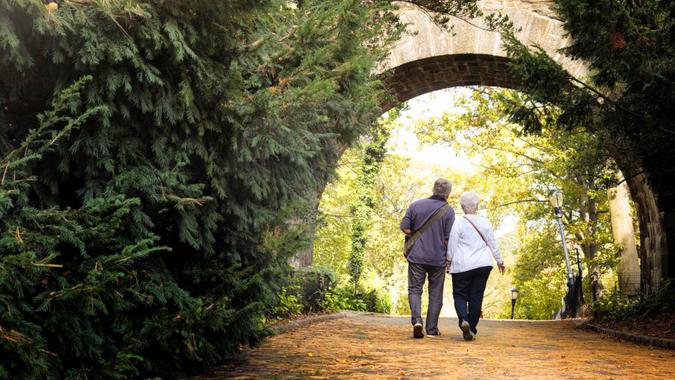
(639, 339)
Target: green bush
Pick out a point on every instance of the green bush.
(288, 304)
(316, 284)
(75, 281)
(378, 301)
(304, 291)
(344, 298)
(613, 307)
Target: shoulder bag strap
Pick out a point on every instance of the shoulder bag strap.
(477, 230)
(417, 234)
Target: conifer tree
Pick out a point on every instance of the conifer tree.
(211, 119)
(152, 234)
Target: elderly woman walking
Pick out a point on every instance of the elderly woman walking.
(471, 248)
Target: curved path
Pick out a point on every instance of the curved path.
(379, 347)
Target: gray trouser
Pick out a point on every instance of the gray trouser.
(416, 276)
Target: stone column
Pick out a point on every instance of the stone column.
(624, 236)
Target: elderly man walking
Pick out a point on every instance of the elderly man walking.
(427, 224)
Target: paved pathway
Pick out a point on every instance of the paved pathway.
(378, 347)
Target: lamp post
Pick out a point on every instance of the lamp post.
(556, 200)
(514, 297)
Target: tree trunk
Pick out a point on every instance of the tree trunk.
(653, 245)
(624, 237)
(589, 215)
(305, 257)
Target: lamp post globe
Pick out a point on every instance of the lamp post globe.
(514, 297)
(556, 199)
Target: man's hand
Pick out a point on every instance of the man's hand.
(502, 268)
(406, 231)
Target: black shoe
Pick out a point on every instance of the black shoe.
(435, 335)
(418, 330)
(466, 330)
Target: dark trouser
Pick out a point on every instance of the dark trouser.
(416, 276)
(469, 287)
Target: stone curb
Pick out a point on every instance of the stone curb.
(294, 325)
(639, 339)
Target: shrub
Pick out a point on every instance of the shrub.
(304, 291)
(378, 301)
(288, 304)
(345, 298)
(316, 284)
(613, 307)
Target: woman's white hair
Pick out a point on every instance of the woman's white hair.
(469, 202)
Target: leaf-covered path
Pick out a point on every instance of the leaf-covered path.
(370, 346)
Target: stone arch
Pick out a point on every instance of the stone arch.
(436, 73)
(431, 59)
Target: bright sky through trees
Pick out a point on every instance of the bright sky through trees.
(405, 143)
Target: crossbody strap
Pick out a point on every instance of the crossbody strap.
(477, 230)
(417, 234)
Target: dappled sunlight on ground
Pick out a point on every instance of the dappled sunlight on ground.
(367, 346)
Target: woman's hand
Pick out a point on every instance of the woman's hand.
(501, 267)
(447, 266)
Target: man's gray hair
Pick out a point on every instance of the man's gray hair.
(469, 202)
(442, 188)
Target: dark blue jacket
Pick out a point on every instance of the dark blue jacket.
(430, 248)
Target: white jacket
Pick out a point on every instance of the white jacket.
(466, 248)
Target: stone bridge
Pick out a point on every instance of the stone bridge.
(431, 59)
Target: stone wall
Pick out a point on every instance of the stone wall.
(427, 40)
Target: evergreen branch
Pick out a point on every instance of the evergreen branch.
(182, 200)
(47, 120)
(14, 336)
(47, 265)
(616, 104)
(4, 173)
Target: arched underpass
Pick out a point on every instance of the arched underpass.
(432, 59)
(425, 75)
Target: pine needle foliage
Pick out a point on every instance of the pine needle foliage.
(153, 152)
(67, 275)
